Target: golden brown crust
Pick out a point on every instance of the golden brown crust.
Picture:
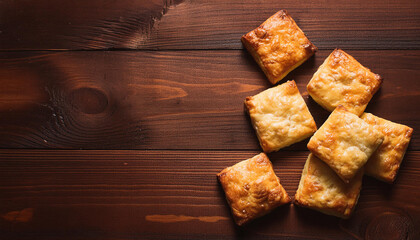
(322, 190)
(280, 116)
(345, 142)
(278, 46)
(342, 80)
(385, 161)
(252, 188)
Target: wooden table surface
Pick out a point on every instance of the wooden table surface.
(115, 116)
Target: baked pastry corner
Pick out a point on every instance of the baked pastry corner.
(345, 142)
(385, 161)
(322, 190)
(342, 80)
(278, 46)
(252, 188)
(280, 116)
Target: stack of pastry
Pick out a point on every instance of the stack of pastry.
(348, 145)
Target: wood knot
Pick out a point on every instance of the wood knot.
(89, 100)
(389, 225)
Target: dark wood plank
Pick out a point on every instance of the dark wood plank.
(177, 24)
(174, 194)
(166, 100)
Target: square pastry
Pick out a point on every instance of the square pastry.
(341, 80)
(322, 190)
(280, 116)
(278, 46)
(385, 161)
(252, 188)
(345, 142)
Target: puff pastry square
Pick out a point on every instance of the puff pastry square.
(252, 188)
(322, 190)
(386, 160)
(341, 80)
(280, 116)
(345, 142)
(278, 46)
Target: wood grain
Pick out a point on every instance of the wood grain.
(169, 24)
(167, 100)
(172, 86)
(73, 194)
